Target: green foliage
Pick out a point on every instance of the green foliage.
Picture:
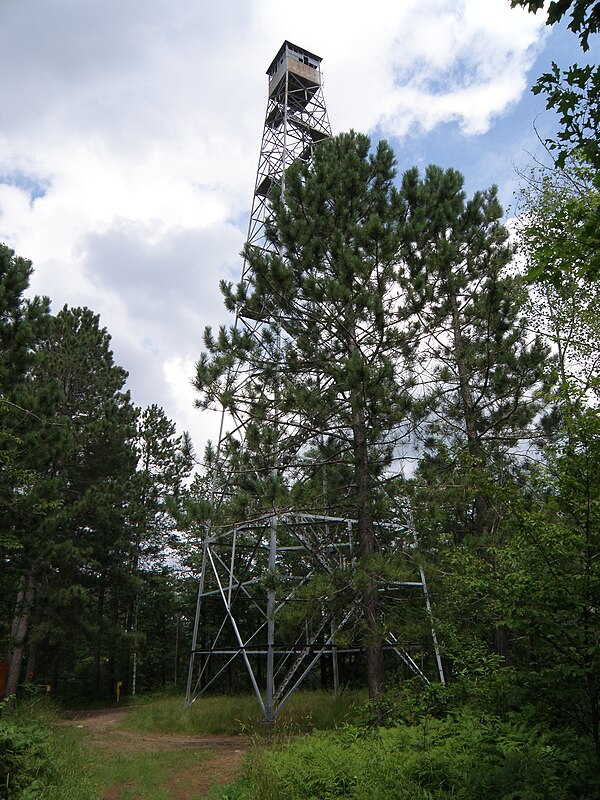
(464, 758)
(382, 312)
(326, 353)
(77, 528)
(584, 14)
(164, 462)
(481, 368)
(21, 320)
(405, 704)
(515, 614)
(37, 763)
(558, 232)
(328, 372)
(551, 586)
(24, 759)
(574, 94)
(22, 323)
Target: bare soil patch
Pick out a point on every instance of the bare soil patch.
(221, 755)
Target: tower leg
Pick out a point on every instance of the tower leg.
(188, 691)
(334, 663)
(270, 690)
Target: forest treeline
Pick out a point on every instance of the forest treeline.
(85, 529)
(411, 333)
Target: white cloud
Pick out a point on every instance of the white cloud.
(139, 123)
(448, 61)
(202, 425)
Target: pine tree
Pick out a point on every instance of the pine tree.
(23, 322)
(164, 462)
(333, 359)
(482, 365)
(83, 458)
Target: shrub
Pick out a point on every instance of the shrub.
(25, 762)
(467, 758)
(39, 763)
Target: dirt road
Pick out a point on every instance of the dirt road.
(219, 765)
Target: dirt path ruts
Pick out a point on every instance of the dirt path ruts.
(221, 767)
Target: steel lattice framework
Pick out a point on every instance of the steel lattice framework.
(258, 571)
(296, 120)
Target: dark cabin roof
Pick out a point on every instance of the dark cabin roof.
(296, 47)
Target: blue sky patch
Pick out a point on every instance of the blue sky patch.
(32, 184)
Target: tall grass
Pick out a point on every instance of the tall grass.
(225, 715)
(74, 777)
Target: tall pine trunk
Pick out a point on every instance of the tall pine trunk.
(31, 659)
(97, 664)
(481, 501)
(19, 629)
(368, 546)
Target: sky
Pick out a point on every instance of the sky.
(130, 133)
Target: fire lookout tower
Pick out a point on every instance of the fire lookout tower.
(296, 120)
(255, 572)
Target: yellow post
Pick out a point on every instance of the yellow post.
(119, 684)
